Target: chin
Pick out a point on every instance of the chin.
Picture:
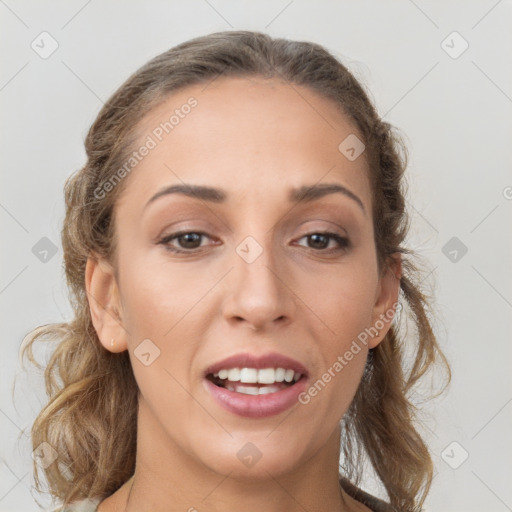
(255, 457)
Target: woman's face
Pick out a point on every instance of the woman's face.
(254, 285)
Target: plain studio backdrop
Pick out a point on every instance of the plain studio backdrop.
(439, 71)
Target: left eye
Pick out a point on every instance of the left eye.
(321, 240)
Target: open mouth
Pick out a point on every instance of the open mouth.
(253, 381)
(256, 387)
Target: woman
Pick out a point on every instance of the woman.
(234, 250)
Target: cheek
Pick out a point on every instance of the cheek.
(158, 306)
(343, 301)
(342, 349)
(156, 295)
(350, 317)
(161, 303)
(343, 298)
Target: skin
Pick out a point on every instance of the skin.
(255, 139)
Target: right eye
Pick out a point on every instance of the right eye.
(189, 241)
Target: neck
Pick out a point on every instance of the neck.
(168, 479)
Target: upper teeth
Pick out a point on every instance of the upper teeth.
(263, 376)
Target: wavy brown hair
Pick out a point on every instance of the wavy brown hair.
(91, 415)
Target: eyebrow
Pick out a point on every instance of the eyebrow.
(215, 195)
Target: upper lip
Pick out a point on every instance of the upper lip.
(246, 360)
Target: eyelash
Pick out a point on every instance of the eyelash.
(343, 242)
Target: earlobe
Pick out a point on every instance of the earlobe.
(104, 304)
(386, 300)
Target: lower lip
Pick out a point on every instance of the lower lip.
(256, 406)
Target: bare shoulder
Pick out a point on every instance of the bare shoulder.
(354, 505)
(117, 500)
(87, 505)
(359, 498)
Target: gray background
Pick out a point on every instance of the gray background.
(454, 109)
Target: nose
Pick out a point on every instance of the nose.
(257, 291)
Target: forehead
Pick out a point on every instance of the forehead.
(248, 134)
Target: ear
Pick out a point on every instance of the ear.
(386, 300)
(104, 303)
